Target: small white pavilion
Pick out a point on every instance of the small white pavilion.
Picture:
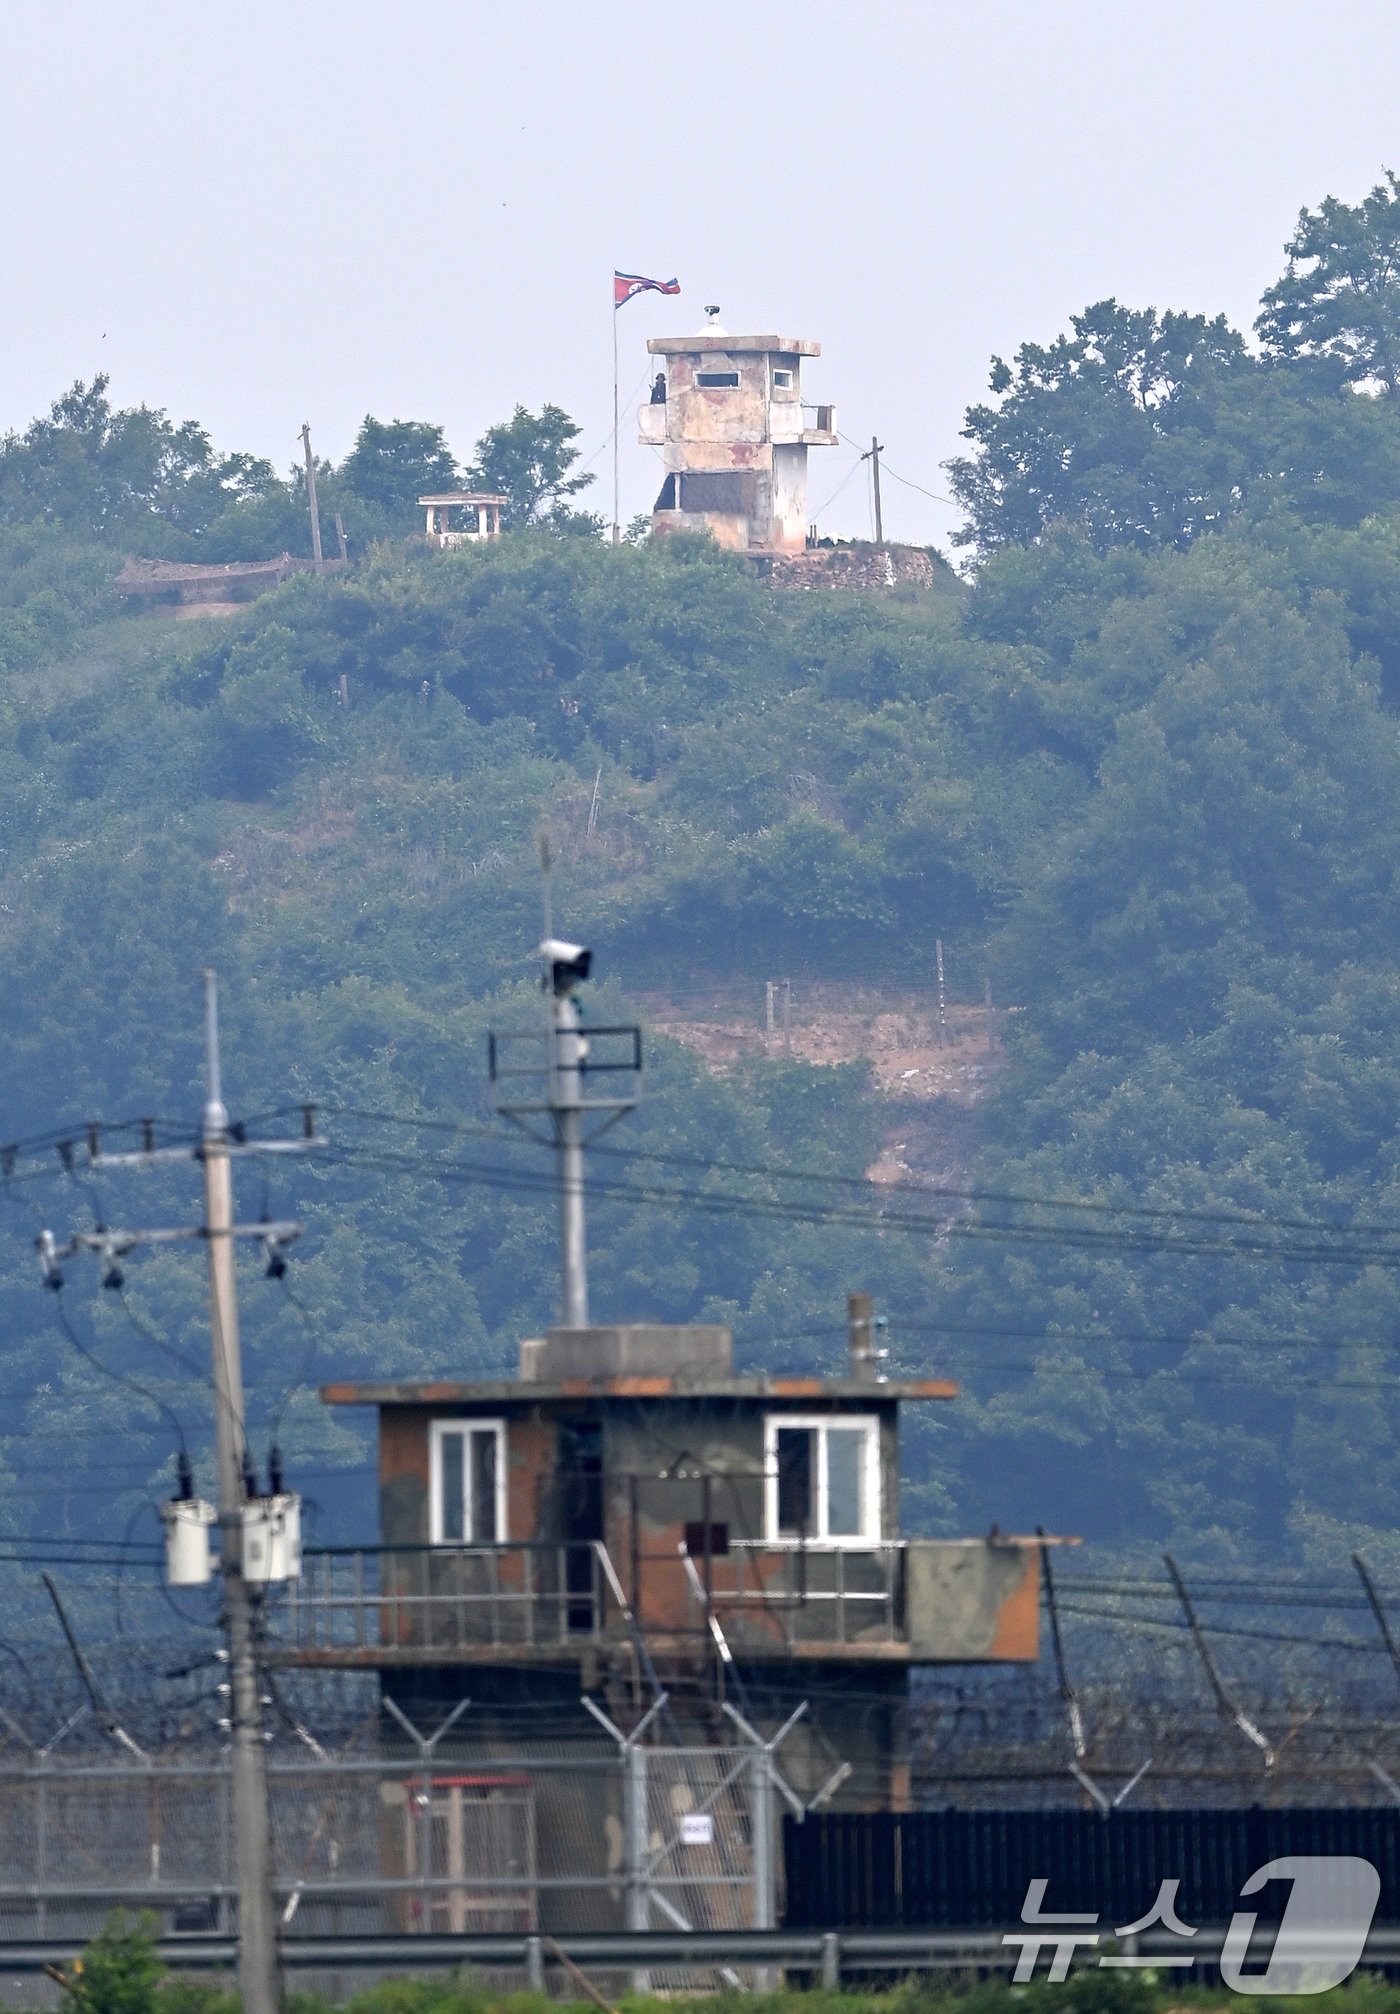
(463, 517)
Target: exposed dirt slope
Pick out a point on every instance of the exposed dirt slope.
(932, 1072)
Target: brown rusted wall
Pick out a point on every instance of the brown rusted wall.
(1017, 1636)
(403, 1475)
(677, 1464)
(972, 1602)
(531, 1443)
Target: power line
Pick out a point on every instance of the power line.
(34, 1488)
(117, 1377)
(1168, 1213)
(89, 1131)
(887, 470)
(149, 1335)
(1229, 1629)
(1145, 1374)
(826, 504)
(299, 1379)
(872, 1217)
(1199, 1339)
(98, 1544)
(103, 1564)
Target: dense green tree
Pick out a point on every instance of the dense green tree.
(1110, 428)
(529, 458)
(1143, 430)
(394, 462)
(123, 475)
(1339, 295)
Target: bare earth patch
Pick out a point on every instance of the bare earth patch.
(933, 1074)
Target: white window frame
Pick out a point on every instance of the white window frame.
(821, 1424)
(464, 1425)
(784, 377)
(733, 379)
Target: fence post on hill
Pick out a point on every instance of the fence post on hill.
(991, 1019)
(768, 1019)
(942, 992)
(787, 1017)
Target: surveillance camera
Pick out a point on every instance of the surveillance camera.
(568, 963)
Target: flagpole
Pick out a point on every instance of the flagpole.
(617, 528)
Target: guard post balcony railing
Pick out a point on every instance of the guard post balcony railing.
(798, 1596)
(415, 1601)
(416, 1598)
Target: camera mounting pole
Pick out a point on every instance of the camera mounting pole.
(547, 1076)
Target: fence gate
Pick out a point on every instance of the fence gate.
(463, 1830)
(694, 1862)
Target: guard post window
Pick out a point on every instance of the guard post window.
(467, 1482)
(823, 1479)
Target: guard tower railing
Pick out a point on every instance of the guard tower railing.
(425, 1598)
(385, 1604)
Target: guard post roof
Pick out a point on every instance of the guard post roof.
(685, 346)
(759, 1386)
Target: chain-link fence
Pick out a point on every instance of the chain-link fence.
(403, 1832)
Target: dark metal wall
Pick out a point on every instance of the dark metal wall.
(967, 1869)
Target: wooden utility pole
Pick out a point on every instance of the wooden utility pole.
(768, 1018)
(787, 1017)
(874, 460)
(942, 994)
(259, 1978)
(311, 497)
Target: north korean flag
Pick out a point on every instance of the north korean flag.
(627, 284)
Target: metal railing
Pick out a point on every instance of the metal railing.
(447, 1598)
(821, 1954)
(804, 1595)
(527, 1596)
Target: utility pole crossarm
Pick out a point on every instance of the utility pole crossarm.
(111, 1246)
(236, 1150)
(282, 1229)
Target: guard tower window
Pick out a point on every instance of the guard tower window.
(468, 1482)
(717, 381)
(782, 381)
(823, 1479)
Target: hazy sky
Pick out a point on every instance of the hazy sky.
(257, 214)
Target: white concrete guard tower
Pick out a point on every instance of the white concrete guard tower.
(727, 413)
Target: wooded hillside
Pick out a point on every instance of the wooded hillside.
(1142, 768)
